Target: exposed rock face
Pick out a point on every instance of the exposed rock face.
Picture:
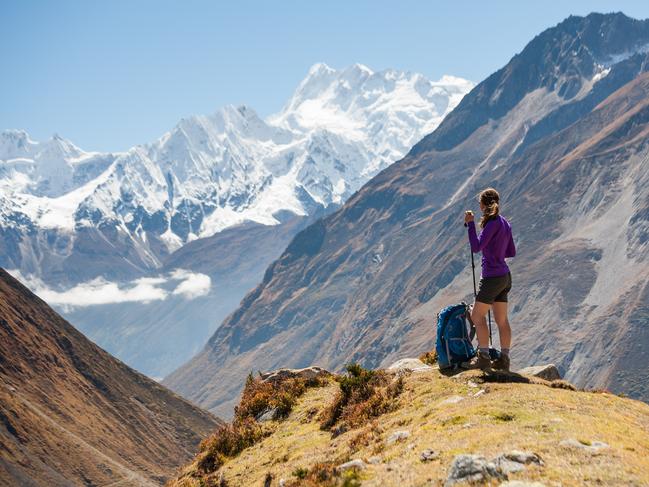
(561, 132)
(547, 372)
(305, 373)
(411, 364)
(70, 414)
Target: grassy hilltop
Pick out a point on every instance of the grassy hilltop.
(407, 428)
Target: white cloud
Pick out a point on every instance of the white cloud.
(99, 291)
(192, 285)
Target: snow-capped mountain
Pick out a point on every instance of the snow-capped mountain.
(74, 222)
(211, 172)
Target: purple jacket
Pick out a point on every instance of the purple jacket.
(496, 243)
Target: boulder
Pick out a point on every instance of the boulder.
(411, 364)
(547, 372)
(452, 400)
(427, 455)
(523, 457)
(472, 469)
(352, 464)
(283, 374)
(593, 447)
(515, 461)
(267, 415)
(398, 436)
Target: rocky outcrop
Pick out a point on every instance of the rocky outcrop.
(409, 364)
(547, 372)
(279, 375)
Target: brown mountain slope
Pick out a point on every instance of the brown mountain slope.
(562, 134)
(70, 414)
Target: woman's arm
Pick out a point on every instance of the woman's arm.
(479, 242)
(511, 248)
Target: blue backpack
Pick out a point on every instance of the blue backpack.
(454, 334)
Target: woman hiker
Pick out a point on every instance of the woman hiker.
(496, 243)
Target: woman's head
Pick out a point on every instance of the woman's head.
(489, 204)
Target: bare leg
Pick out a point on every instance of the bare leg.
(504, 330)
(478, 317)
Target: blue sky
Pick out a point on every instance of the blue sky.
(110, 75)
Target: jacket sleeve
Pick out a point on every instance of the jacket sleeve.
(478, 242)
(511, 248)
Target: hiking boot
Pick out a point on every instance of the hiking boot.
(501, 363)
(483, 362)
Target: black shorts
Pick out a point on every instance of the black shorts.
(494, 288)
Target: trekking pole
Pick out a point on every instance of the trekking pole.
(475, 292)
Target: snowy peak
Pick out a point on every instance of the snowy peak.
(344, 101)
(15, 143)
(46, 169)
(214, 171)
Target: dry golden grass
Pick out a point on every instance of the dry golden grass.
(364, 394)
(507, 416)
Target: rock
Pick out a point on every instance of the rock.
(412, 364)
(375, 460)
(352, 464)
(507, 466)
(593, 447)
(452, 400)
(398, 436)
(267, 415)
(521, 483)
(523, 457)
(547, 372)
(515, 461)
(283, 374)
(427, 455)
(479, 393)
(472, 384)
(472, 469)
(282, 482)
